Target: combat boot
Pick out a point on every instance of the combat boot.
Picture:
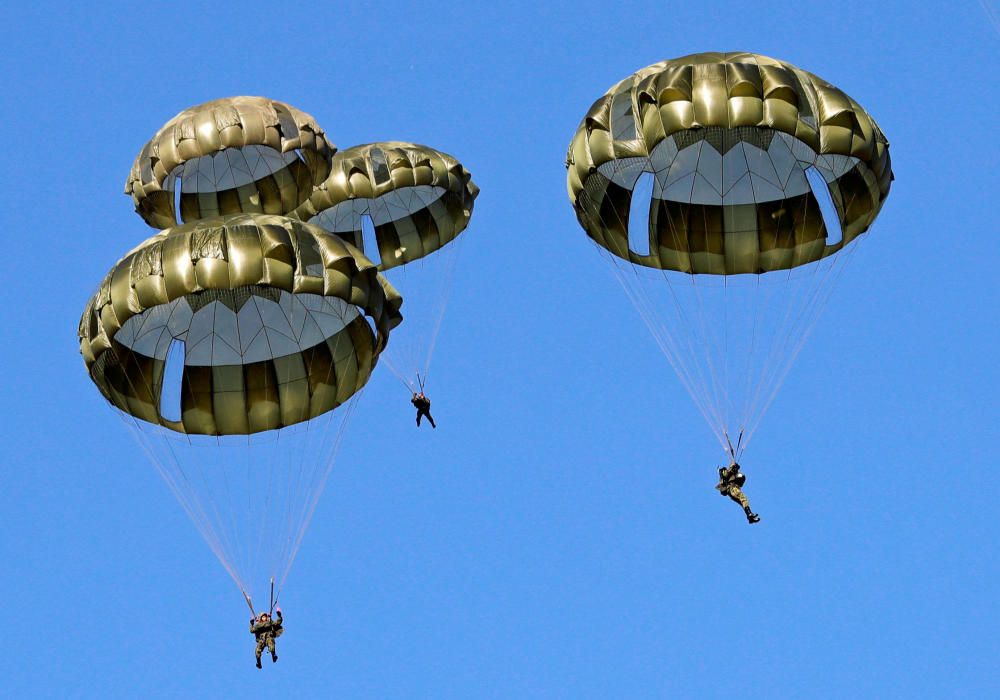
(258, 663)
(751, 516)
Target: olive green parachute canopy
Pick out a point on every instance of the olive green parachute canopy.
(697, 177)
(227, 340)
(730, 139)
(229, 156)
(272, 312)
(418, 199)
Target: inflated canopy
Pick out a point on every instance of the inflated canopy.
(277, 322)
(228, 156)
(418, 199)
(734, 142)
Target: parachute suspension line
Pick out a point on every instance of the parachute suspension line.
(707, 382)
(413, 346)
(734, 452)
(700, 390)
(201, 504)
(639, 296)
(400, 375)
(314, 435)
(242, 555)
(741, 417)
(661, 336)
(992, 14)
(309, 489)
(300, 477)
(449, 274)
(315, 431)
(776, 369)
(249, 603)
(807, 317)
(758, 352)
(749, 387)
(778, 340)
(726, 412)
(309, 508)
(747, 383)
(191, 506)
(268, 464)
(810, 316)
(195, 510)
(698, 387)
(756, 304)
(708, 342)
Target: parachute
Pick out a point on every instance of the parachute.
(725, 191)
(229, 156)
(405, 206)
(234, 345)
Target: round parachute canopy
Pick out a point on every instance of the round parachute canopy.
(270, 320)
(738, 145)
(405, 205)
(229, 156)
(699, 175)
(417, 199)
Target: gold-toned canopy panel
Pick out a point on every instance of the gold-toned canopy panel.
(279, 321)
(228, 156)
(735, 143)
(418, 199)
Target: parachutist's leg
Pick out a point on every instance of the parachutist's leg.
(260, 648)
(270, 648)
(737, 495)
(433, 424)
(419, 414)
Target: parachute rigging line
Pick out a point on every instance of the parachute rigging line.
(202, 504)
(413, 348)
(992, 13)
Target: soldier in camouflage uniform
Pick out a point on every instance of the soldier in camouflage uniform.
(731, 479)
(266, 631)
(423, 405)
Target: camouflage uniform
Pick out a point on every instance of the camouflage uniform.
(423, 405)
(730, 481)
(266, 631)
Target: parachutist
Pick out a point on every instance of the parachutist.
(423, 405)
(266, 631)
(731, 479)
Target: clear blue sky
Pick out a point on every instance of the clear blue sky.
(557, 535)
